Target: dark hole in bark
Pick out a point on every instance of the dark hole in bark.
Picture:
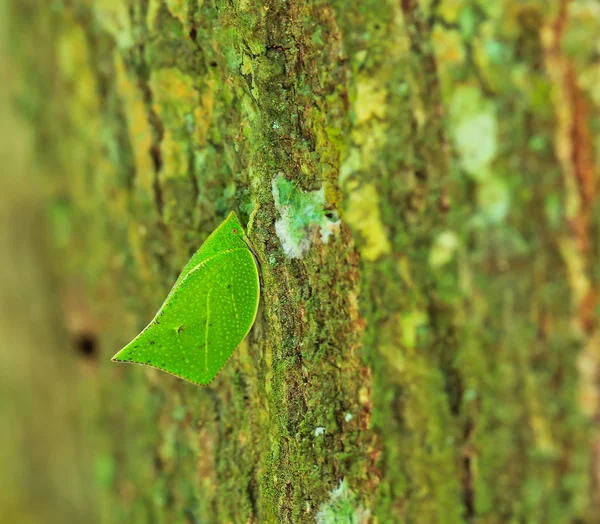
(86, 345)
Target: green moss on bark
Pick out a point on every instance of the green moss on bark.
(451, 312)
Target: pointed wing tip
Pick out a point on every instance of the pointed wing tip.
(124, 361)
(116, 358)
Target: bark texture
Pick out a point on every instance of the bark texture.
(420, 179)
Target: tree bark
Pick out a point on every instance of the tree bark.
(419, 180)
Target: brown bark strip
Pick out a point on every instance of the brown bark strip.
(582, 159)
(581, 154)
(574, 147)
(575, 151)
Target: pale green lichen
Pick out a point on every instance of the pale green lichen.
(301, 212)
(475, 139)
(474, 129)
(443, 249)
(475, 133)
(342, 508)
(493, 198)
(363, 214)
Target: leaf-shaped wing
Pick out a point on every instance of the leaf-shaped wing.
(207, 314)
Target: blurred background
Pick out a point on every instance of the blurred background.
(49, 461)
(424, 181)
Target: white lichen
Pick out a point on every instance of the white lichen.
(301, 213)
(342, 507)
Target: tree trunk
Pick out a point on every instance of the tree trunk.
(419, 180)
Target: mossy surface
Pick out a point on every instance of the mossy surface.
(420, 178)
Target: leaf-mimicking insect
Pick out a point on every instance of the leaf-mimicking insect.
(206, 315)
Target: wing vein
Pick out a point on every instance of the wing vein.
(237, 318)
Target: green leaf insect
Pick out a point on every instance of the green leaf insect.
(206, 315)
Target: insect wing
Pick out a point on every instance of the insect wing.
(204, 319)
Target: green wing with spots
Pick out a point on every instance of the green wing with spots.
(206, 315)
